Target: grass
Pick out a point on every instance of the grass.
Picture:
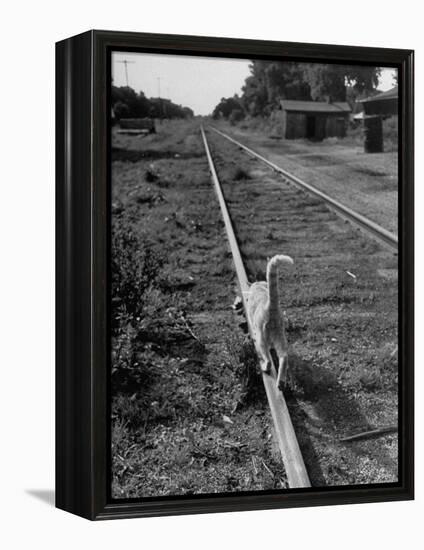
(341, 330)
(185, 365)
(338, 167)
(174, 379)
(242, 355)
(272, 127)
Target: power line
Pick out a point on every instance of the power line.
(125, 62)
(160, 100)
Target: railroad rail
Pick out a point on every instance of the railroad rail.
(385, 237)
(294, 465)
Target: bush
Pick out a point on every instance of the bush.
(121, 110)
(390, 133)
(240, 174)
(235, 116)
(135, 268)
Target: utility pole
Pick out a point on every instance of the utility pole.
(125, 62)
(160, 100)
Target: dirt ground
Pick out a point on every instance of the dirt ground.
(189, 412)
(341, 303)
(366, 182)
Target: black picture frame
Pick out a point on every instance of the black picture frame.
(82, 221)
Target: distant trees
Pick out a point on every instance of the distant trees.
(189, 113)
(226, 106)
(329, 82)
(236, 115)
(121, 110)
(164, 108)
(271, 81)
(396, 78)
(127, 103)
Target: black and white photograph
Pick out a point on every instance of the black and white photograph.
(211, 236)
(254, 301)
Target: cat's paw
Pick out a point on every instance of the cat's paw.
(266, 366)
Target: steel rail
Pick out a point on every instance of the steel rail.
(294, 465)
(376, 231)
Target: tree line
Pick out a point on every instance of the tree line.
(271, 81)
(127, 103)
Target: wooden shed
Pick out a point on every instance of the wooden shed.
(315, 120)
(384, 104)
(377, 108)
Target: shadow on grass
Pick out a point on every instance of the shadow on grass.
(336, 414)
(128, 155)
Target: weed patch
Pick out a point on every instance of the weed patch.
(241, 174)
(244, 361)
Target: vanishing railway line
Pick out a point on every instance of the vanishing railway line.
(292, 457)
(297, 474)
(368, 226)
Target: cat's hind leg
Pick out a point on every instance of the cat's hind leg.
(283, 365)
(265, 356)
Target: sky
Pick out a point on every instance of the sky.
(195, 82)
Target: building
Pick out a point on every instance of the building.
(377, 108)
(315, 120)
(384, 104)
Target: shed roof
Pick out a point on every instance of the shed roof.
(389, 94)
(315, 106)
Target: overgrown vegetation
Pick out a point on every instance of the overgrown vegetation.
(271, 81)
(390, 134)
(241, 174)
(188, 415)
(135, 266)
(127, 103)
(243, 357)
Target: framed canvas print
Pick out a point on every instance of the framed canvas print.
(234, 274)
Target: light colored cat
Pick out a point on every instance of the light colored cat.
(267, 319)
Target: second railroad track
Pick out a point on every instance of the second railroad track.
(368, 226)
(342, 289)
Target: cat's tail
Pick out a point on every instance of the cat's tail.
(272, 277)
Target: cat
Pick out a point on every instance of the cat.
(267, 320)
